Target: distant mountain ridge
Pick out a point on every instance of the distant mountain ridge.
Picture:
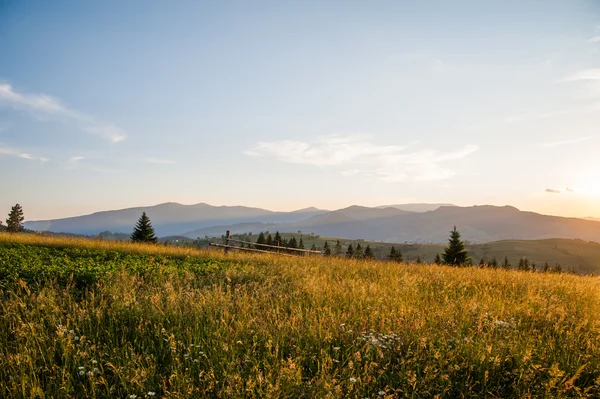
(477, 224)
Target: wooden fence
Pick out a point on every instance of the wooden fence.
(278, 249)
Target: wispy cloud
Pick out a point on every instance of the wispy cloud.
(560, 143)
(595, 39)
(158, 161)
(14, 152)
(552, 191)
(586, 74)
(358, 155)
(45, 106)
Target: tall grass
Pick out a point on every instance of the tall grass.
(268, 326)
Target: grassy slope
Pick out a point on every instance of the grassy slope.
(268, 326)
(582, 256)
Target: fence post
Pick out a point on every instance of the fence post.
(227, 241)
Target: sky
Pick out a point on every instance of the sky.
(285, 105)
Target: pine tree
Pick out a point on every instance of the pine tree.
(438, 259)
(143, 231)
(419, 261)
(277, 241)
(456, 254)
(392, 255)
(350, 252)
(359, 253)
(546, 267)
(269, 241)
(314, 248)
(368, 252)
(494, 263)
(260, 240)
(326, 249)
(14, 223)
(523, 264)
(301, 244)
(506, 264)
(338, 248)
(481, 263)
(292, 243)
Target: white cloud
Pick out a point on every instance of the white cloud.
(357, 155)
(560, 143)
(13, 152)
(595, 39)
(587, 74)
(45, 106)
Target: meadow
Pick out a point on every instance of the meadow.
(97, 319)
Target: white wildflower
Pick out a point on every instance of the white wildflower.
(352, 379)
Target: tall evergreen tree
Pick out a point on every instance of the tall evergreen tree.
(368, 252)
(301, 244)
(277, 241)
(438, 259)
(269, 241)
(292, 243)
(314, 248)
(506, 264)
(456, 254)
(494, 263)
(14, 223)
(326, 249)
(359, 252)
(338, 248)
(392, 255)
(260, 240)
(546, 267)
(419, 260)
(143, 231)
(350, 251)
(482, 263)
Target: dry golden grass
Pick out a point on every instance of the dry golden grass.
(269, 326)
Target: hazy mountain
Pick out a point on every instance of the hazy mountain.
(416, 207)
(238, 228)
(169, 218)
(476, 224)
(591, 218)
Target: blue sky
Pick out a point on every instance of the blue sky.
(284, 105)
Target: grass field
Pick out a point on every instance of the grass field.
(100, 319)
(578, 255)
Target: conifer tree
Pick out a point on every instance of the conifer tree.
(419, 261)
(143, 231)
(260, 240)
(350, 252)
(494, 263)
(292, 243)
(338, 248)
(546, 267)
(506, 264)
(368, 252)
(392, 255)
(277, 241)
(438, 259)
(481, 263)
(314, 248)
(326, 249)
(359, 253)
(269, 241)
(14, 223)
(301, 244)
(456, 254)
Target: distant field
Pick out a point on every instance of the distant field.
(93, 319)
(578, 255)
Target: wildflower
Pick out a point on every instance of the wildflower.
(94, 362)
(337, 348)
(352, 379)
(81, 368)
(76, 338)
(96, 370)
(81, 372)
(201, 353)
(342, 325)
(71, 331)
(151, 393)
(132, 396)
(381, 393)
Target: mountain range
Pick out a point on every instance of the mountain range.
(419, 223)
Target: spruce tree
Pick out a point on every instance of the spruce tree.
(506, 264)
(292, 243)
(456, 254)
(14, 223)
(269, 242)
(392, 255)
(277, 241)
(359, 252)
(314, 248)
(482, 263)
(338, 248)
(350, 252)
(301, 244)
(260, 240)
(326, 249)
(143, 231)
(438, 259)
(368, 252)
(494, 263)
(419, 261)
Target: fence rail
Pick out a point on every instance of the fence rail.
(280, 249)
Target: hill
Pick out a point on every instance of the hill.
(130, 320)
(168, 219)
